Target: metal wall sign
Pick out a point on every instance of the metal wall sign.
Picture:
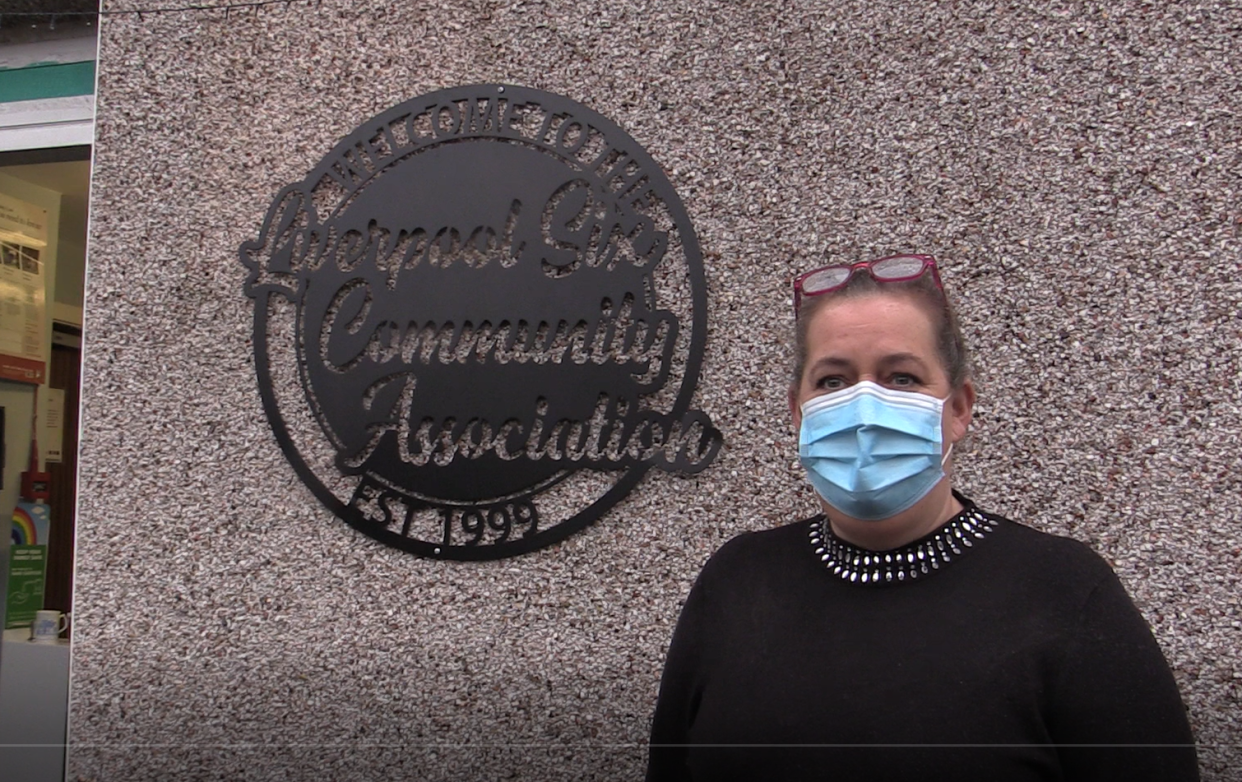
(489, 304)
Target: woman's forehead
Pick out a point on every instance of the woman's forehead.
(875, 323)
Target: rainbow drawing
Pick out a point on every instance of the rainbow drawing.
(24, 533)
(30, 524)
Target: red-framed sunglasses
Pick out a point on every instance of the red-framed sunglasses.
(892, 268)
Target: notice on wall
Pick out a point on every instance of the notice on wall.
(23, 242)
(52, 436)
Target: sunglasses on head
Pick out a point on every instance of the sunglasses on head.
(892, 268)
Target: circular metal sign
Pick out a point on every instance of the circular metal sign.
(479, 321)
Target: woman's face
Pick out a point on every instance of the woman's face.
(888, 339)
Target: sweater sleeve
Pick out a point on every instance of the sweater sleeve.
(1115, 709)
(685, 674)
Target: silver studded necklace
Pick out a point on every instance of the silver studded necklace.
(908, 563)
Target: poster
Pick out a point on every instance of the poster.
(23, 242)
(32, 523)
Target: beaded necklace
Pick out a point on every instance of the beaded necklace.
(907, 563)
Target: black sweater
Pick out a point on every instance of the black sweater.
(1022, 660)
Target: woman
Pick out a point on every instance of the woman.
(905, 633)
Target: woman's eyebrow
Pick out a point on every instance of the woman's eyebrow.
(899, 358)
(832, 361)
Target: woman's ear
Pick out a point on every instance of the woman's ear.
(795, 410)
(960, 407)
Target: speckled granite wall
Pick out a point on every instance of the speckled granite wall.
(1076, 168)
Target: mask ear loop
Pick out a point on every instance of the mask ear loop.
(945, 458)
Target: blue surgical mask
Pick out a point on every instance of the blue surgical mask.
(872, 452)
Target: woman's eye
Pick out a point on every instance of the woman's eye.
(831, 383)
(902, 380)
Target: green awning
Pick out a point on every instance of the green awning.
(47, 80)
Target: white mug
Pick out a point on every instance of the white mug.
(47, 626)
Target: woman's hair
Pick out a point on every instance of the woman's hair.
(950, 343)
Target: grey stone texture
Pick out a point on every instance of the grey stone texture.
(1075, 166)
